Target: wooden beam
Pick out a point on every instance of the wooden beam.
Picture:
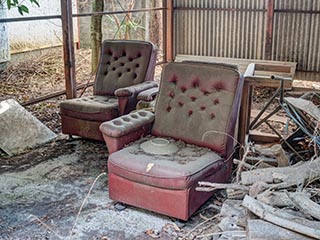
(168, 31)
(269, 30)
(68, 48)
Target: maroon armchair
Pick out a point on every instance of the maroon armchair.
(125, 69)
(191, 140)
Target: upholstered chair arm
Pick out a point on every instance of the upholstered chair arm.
(127, 128)
(128, 96)
(149, 94)
(134, 89)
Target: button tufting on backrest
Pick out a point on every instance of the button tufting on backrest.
(123, 63)
(196, 82)
(218, 86)
(196, 103)
(174, 79)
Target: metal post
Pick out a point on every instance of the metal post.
(269, 30)
(68, 48)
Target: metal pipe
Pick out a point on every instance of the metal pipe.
(24, 19)
(54, 95)
(220, 9)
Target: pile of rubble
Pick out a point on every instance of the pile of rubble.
(272, 202)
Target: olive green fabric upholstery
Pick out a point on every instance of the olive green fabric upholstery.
(122, 64)
(195, 103)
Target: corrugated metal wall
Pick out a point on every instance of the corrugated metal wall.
(237, 29)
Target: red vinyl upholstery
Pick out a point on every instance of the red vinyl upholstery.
(126, 67)
(196, 110)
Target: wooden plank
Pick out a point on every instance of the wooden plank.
(273, 68)
(242, 63)
(168, 23)
(258, 136)
(259, 229)
(243, 115)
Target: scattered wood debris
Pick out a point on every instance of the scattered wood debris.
(272, 202)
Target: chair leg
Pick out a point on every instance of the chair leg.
(119, 206)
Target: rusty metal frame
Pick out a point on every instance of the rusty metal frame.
(269, 29)
(68, 48)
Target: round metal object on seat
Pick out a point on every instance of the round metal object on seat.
(159, 146)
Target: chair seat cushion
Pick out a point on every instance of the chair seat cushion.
(97, 108)
(179, 170)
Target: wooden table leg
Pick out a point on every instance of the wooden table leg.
(244, 115)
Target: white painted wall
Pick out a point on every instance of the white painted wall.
(4, 45)
(39, 34)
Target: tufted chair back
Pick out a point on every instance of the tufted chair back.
(199, 103)
(124, 63)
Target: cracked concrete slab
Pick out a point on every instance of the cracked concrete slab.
(41, 192)
(19, 129)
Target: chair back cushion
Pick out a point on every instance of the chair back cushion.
(124, 63)
(197, 102)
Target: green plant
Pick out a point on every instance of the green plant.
(18, 4)
(125, 27)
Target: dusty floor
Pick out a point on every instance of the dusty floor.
(41, 192)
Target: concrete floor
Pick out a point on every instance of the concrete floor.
(41, 193)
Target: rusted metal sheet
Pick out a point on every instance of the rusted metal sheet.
(234, 29)
(292, 32)
(282, 30)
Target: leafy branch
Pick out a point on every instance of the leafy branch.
(18, 4)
